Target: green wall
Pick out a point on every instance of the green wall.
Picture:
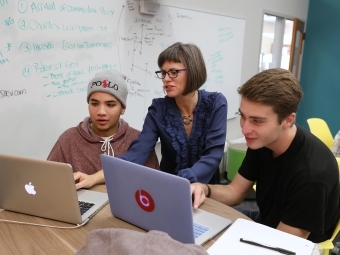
(320, 69)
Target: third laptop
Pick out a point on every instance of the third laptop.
(155, 200)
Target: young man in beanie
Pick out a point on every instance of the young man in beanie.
(296, 174)
(102, 132)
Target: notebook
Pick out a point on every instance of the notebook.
(155, 200)
(45, 189)
(256, 233)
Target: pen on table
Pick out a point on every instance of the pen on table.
(284, 251)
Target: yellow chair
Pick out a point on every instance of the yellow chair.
(328, 244)
(320, 129)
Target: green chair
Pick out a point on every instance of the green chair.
(235, 155)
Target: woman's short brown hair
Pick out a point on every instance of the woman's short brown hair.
(191, 57)
(276, 87)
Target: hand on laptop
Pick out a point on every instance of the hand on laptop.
(197, 190)
(87, 181)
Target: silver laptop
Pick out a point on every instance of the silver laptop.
(45, 189)
(155, 200)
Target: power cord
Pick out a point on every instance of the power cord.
(42, 225)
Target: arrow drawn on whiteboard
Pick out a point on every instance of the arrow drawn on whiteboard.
(141, 36)
(120, 67)
(137, 42)
(170, 30)
(146, 71)
(139, 68)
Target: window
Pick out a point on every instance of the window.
(276, 42)
(296, 47)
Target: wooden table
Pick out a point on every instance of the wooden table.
(27, 239)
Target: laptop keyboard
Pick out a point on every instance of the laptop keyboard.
(199, 229)
(84, 206)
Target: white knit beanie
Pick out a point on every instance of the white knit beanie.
(112, 82)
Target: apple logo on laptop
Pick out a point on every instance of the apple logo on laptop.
(144, 200)
(30, 189)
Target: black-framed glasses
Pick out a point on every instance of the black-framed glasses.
(172, 73)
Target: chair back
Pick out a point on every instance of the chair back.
(328, 245)
(320, 129)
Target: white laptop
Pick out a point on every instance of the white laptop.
(45, 189)
(155, 200)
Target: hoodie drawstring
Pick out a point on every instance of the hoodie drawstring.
(107, 146)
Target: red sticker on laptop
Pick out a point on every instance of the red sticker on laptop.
(144, 200)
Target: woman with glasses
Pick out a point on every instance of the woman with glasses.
(190, 123)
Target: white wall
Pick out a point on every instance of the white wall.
(252, 12)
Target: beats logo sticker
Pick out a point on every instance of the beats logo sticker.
(144, 200)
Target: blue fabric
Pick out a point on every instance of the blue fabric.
(195, 158)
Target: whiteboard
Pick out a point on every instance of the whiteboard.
(50, 50)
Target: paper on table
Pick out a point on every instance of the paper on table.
(229, 242)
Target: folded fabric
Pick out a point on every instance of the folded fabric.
(115, 241)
